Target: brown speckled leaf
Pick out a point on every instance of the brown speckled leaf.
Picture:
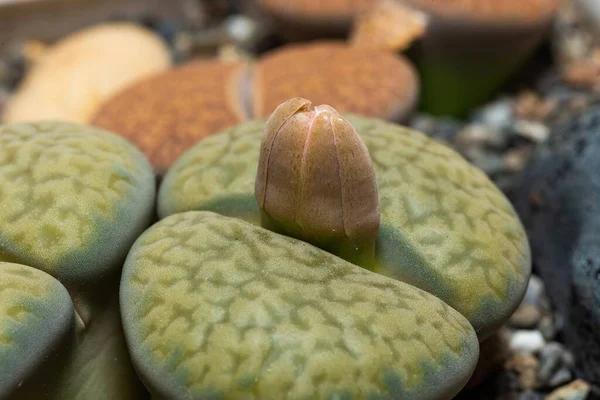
(361, 81)
(168, 113)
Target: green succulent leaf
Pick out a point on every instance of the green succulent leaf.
(72, 198)
(36, 317)
(214, 307)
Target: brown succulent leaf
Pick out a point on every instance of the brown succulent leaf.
(362, 81)
(168, 113)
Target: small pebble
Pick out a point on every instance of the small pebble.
(551, 360)
(497, 115)
(560, 377)
(527, 341)
(576, 390)
(241, 29)
(482, 135)
(534, 131)
(526, 366)
(526, 316)
(516, 159)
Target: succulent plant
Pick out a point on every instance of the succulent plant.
(72, 201)
(351, 79)
(473, 46)
(216, 305)
(168, 113)
(77, 74)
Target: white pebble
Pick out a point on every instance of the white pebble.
(240, 28)
(498, 115)
(527, 341)
(534, 131)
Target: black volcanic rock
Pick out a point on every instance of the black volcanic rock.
(558, 199)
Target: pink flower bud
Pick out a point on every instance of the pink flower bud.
(315, 181)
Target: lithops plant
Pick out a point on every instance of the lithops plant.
(310, 19)
(72, 201)
(77, 74)
(444, 226)
(166, 114)
(472, 46)
(214, 304)
(357, 80)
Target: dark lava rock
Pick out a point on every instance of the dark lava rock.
(558, 199)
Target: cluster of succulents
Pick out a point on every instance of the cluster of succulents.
(310, 255)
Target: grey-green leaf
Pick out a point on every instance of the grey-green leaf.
(214, 307)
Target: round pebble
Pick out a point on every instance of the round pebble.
(550, 358)
(498, 114)
(527, 341)
(527, 316)
(526, 366)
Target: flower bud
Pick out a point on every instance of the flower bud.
(315, 181)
